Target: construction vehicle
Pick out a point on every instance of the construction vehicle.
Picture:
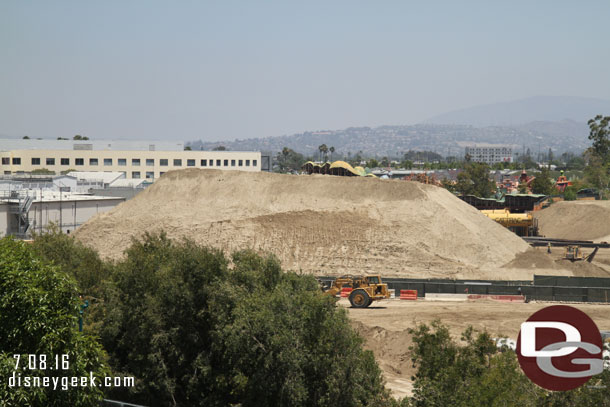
(523, 224)
(365, 289)
(573, 253)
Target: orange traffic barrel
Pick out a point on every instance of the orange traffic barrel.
(408, 294)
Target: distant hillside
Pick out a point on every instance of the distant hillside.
(537, 123)
(538, 108)
(393, 141)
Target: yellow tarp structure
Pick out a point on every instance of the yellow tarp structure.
(341, 168)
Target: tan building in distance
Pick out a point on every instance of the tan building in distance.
(135, 159)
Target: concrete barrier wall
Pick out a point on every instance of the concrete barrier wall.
(500, 298)
(446, 297)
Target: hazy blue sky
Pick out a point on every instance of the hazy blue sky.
(219, 70)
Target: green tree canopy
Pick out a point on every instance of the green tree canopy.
(43, 171)
(600, 135)
(597, 173)
(289, 159)
(39, 308)
(372, 163)
(196, 332)
(478, 373)
(474, 180)
(543, 184)
(80, 262)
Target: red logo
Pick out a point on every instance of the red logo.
(560, 348)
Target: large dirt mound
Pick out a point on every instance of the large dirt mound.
(318, 224)
(578, 220)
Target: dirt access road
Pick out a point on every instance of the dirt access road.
(384, 326)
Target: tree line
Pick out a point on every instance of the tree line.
(197, 328)
(194, 326)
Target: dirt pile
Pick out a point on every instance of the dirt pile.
(578, 220)
(391, 350)
(318, 224)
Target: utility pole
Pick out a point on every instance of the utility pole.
(60, 216)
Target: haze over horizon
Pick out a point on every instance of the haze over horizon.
(221, 71)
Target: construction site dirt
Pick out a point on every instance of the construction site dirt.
(331, 226)
(384, 325)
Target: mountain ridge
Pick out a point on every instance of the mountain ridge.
(394, 141)
(520, 111)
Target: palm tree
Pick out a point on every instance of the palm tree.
(323, 150)
(332, 150)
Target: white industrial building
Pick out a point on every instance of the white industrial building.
(135, 160)
(490, 153)
(29, 203)
(25, 211)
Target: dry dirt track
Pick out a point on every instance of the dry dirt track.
(385, 325)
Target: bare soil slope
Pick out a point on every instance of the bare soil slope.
(318, 224)
(578, 220)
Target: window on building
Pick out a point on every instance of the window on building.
(240, 163)
(16, 161)
(232, 163)
(6, 161)
(161, 174)
(150, 162)
(122, 162)
(107, 161)
(7, 173)
(35, 161)
(163, 162)
(190, 163)
(218, 163)
(124, 173)
(93, 161)
(247, 163)
(135, 174)
(177, 162)
(64, 161)
(150, 175)
(135, 162)
(50, 161)
(254, 163)
(204, 163)
(79, 161)
(226, 163)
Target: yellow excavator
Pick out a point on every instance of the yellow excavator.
(573, 253)
(365, 289)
